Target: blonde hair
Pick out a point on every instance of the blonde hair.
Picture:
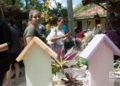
(32, 12)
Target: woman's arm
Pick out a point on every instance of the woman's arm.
(28, 39)
(55, 38)
(29, 33)
(3, 47)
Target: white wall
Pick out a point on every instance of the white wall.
(38, 67)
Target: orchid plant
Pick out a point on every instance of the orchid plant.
(58, 63)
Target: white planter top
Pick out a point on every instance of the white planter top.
(95, 42)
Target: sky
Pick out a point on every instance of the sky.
(64, 2)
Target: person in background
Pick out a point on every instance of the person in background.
(56, 37)
(42, 31)
(99, 29)
(14, 52)
(5, 45)
(41, 28)
(78, 27)
(64, 27)
(32, 28)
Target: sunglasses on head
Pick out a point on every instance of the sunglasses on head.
(36, 16)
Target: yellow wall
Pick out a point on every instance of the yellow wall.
(91, 23)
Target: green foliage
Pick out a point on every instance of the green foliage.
(55, 68)
(6, 1)
(10, 2)
(41, 5)
(64, 12)
(81, 62)
(54, 12)
(117, 65)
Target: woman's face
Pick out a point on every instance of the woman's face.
(35, 18)
(60, 22)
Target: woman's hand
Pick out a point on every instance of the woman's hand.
(67, 34)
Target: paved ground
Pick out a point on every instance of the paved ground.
(21, 81)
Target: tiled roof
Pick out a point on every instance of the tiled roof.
(91, 12)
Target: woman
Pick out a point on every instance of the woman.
(56, 37)
(5, 45)
(32, 28)
(13, 53)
